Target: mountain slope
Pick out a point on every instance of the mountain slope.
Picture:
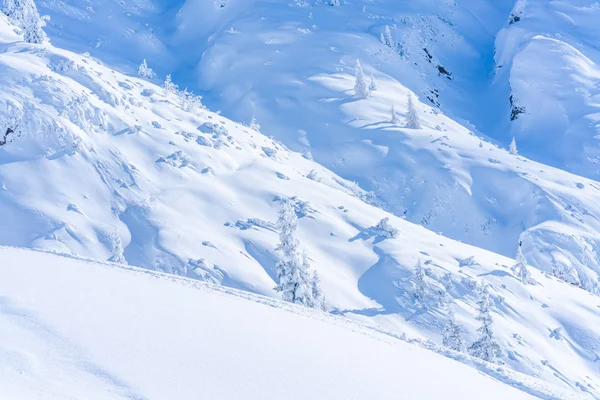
(110, 166)
(290, 65)
(83, 329)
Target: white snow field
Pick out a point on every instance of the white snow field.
(83, 329)
(110, 166)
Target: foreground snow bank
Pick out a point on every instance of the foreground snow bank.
(74, 329)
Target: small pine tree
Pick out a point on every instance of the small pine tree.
(117, 250)
(387, 39)
(360, 86)
(394, 119)
(486, 346)
(372, 86)
(292, 268)
(452, 335)
(317, 292)
(412, 117)
(169, 86)
(420, 283)
(144, 71)
(254, 125)
(513, 147)
(385, 229)
(521, 266)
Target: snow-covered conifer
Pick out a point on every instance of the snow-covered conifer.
(144, 71)
(412, 117)
(360, 86)
(169, 86)
(394, 118)
(117, 250)
(372, 86)
(521, 266)
(254, 125)
(292, 268)
(317, 293)
(24, 14)
(513, 147)
(452, 335)
(420, 283)
(486, 346)
(387, 39)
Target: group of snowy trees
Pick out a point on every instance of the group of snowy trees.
(363, 91)
(296, 283)
(24, 14)
(486, 346)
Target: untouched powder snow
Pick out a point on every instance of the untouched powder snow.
(76, 329)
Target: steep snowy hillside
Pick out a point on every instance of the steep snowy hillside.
(87, 330)
(291, 64)
(110, 166)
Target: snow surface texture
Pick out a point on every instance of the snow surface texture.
(87, 330)
(289, 64)
(132, 174)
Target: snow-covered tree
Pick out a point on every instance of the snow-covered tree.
(412, 117)
(387, 39)
(169, 86)
(521, 266)
(254, 125)
(452, 336)
(292, 269)
(24, 14)
(513, 147)
(117, 249)
(372, 86)
(486, 347)
(385, 229)
(394, 118)
(334, 2)
(144, 71)
(360, 85)
(420, 283)
(317, 293)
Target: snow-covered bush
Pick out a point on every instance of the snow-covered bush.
(385, 229)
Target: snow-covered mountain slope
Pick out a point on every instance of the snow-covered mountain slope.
(99, 161)
(548, 56)
(83, 329)
(290, 65)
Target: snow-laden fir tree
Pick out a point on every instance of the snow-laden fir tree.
(452, 336)
(420, 283)
(387, 39)
(486, 346)
(117, 249)
(144, 71)
(292, 269)
(412, 117)
(394, 118)
(169, 86)
(521, 266)
(513, 147)
(360, 85)
(25, 15)
(372, 86)
(318, 299)
(254, 125)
